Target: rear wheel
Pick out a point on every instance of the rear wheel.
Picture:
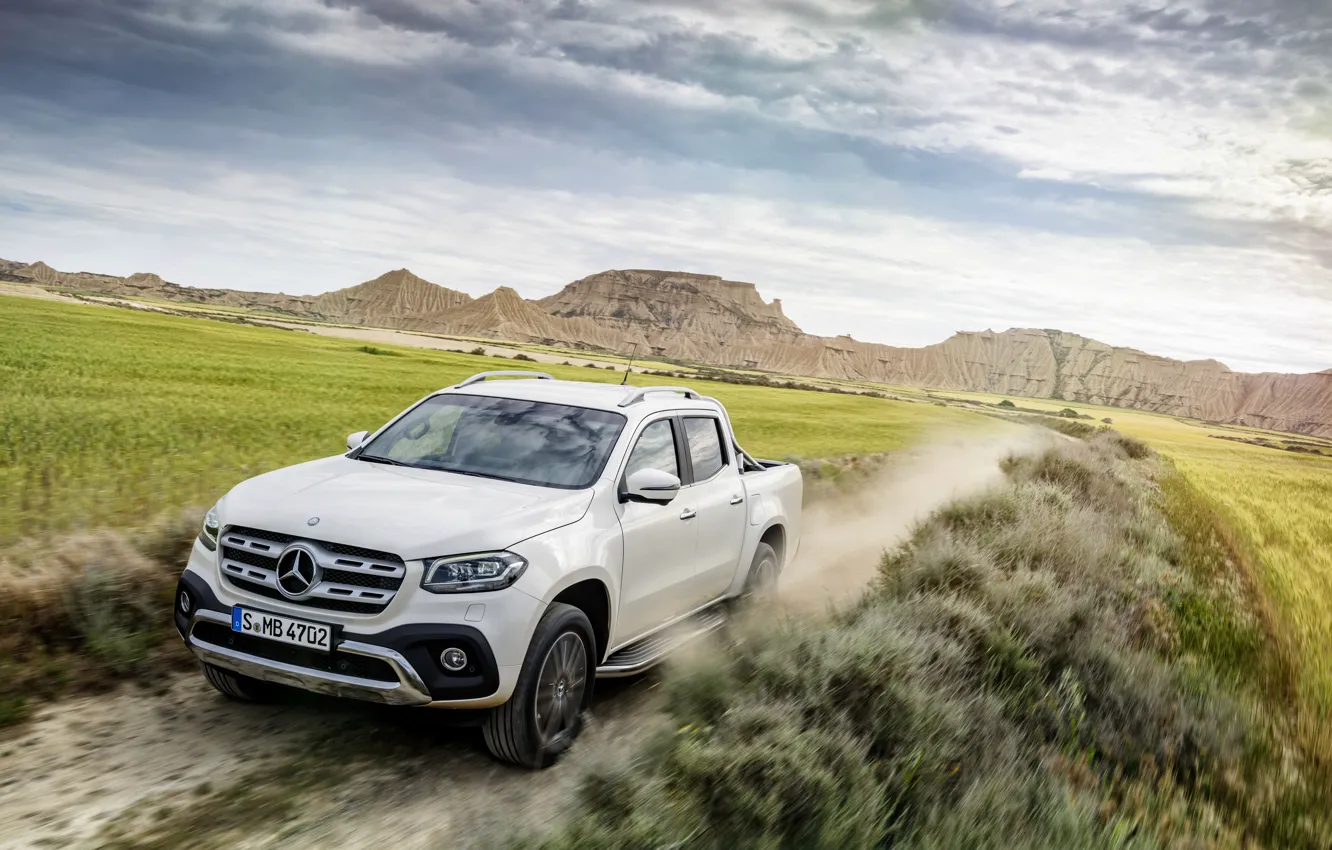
(545, 714)
(763, 570)
(238, 687)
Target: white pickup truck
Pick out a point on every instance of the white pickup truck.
(499, 545)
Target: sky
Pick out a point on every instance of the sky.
(1149, 173)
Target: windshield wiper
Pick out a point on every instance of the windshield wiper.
(377, 459)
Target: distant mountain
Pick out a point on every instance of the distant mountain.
(706, 319)
(389, 300)
(677, 314)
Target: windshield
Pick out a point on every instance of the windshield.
(551, 445)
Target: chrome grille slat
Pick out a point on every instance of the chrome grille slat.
(267, 548)
(369, 580)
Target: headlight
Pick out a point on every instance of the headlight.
(472, 573)
(211, 526)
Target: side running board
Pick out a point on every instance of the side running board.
(646, 653)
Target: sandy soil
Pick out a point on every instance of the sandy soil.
(27, 291)
(438, 343)
(134, 756)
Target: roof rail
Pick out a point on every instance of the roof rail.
(641, 393)
(485, 376)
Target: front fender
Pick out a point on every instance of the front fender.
(590, 549)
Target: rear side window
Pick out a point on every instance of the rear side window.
(655, 449)
(705, 447)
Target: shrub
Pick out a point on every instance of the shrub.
(479, 351)
(1007, 404)
(524, 357)
(992, 690)
(379, 352)
(87, 611)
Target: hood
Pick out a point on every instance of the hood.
(414, 513)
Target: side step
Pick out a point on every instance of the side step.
(650, 651)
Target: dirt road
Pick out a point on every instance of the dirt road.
(187, 768)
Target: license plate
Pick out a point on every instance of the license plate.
(284, 629)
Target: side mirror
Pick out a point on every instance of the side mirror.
(652, 485)
(354, 440)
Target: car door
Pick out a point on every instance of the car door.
(716, 496)
(658, 582)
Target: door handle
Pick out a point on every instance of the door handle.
(735, 500)
(689, 513)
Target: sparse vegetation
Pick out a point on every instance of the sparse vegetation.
(1017, 678)
(86, 612)
(1067, 427)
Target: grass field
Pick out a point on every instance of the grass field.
(1277, 505)
(111, 417)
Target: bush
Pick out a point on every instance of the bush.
(524, 357)
(89, 611)
(379, 352)
(479, 351)
(993, 690)
(1007, 404)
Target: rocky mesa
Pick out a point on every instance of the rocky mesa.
(706, 319)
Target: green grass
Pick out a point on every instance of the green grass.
(1273, 508)
(112, 417)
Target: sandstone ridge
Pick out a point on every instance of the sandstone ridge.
(707, 319)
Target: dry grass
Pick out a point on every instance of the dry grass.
(88, 611)
(1017, 678)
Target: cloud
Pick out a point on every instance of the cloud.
(897, 169)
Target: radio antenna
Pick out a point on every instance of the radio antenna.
(627, 369)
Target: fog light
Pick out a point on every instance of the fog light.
(453, 659)
(184, 602)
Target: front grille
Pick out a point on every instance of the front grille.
(353, 580)
(325, 604)
(343, 663)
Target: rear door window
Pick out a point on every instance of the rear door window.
(705, 446)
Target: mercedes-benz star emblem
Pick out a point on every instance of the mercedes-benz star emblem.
(314, 520)
(297, 572)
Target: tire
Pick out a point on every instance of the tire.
(550, 686)
(238, 687)
(764, 570)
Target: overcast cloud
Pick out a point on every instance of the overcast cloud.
(1155, 174)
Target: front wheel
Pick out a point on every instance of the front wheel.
(545, 714)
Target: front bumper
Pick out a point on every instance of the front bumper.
(407, 690)
(395, 667)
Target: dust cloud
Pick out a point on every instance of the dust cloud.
(844, 535)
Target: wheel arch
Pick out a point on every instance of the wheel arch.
(592, 597)
(775, 536)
